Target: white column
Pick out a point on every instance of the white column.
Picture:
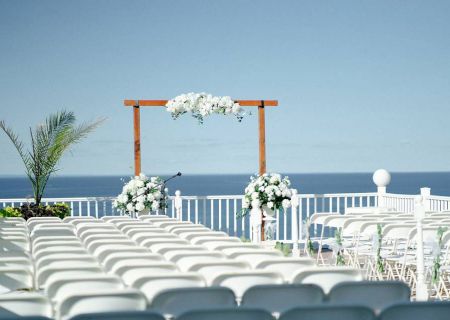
(426, 193)
(178, 205)
(294, 222)
(381, 178)
(421, 289)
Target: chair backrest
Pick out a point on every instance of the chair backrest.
(76, 219)
(416, 311)
(12, 279)
(113, 258)
(121, 315)
(241, 281)
(327, 277)
(143, 268)
(108, 252)
(210, 270)
(135, 260)
(133, 230)
(215, 234)
(172, 249)
(376, 295)
(397, 231)
(280, 298)
(326, 312)
(109, 218)
(227, 314)
(175, 302)
(24, 304)
(14, 243)
(153, 216)
(62, 286)
(45, 274)
(152, 285)
(142, 237)
(207, 239)
(100, 301)
(286, 266)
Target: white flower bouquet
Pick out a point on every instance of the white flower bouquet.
(267, 191)
(201, 105)
(142, 193)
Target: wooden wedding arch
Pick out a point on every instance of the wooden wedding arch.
(260, 104)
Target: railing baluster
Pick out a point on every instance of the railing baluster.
(212, 214)
(227, 216)
(220, 214)
(234, 217)
(196, 210)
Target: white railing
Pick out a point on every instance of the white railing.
(219, 212)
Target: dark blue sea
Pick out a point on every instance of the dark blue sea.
(92, 186)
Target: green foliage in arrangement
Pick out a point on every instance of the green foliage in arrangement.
(436, 270)
(60, 210)
(10, 212)
(26, 211)
(379, 239)
(340, 261)
(283, 247)
(49, 141)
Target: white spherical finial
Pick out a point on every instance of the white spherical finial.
(381, 178)
(178, 193)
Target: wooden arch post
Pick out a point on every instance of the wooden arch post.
(260, 104)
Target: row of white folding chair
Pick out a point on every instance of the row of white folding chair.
(84, 287)
(196, 258)
(60, 255)
(16, 265)
(13, 235)
(189, 261)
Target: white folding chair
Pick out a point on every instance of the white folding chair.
(93, 245)
(74, 220)
(154, 243)
(210, 270)
(142, 237)
(14, 243)
(241, 281)
(211, 241)
(95, 301)
(45, 274)
(104, 251)
(327, 277)
(114, 258)
(130, 272)
(152, 285)
(24, 304)
(63, 259)
(13, 279)
(112, 218)
(187, 260)
(60, 287)
(286, 266)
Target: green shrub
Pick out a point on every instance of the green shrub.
(60, 210)
(10, 212)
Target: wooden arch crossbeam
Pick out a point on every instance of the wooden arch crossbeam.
(260, 104)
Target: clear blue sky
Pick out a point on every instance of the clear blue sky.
(361, 84)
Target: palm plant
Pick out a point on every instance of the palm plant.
(49, 141)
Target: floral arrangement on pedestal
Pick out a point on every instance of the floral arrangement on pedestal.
(203, 104)
(142, 193)
(268, 192)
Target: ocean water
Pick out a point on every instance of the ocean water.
(92, 186)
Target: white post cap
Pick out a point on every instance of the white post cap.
(381, 178)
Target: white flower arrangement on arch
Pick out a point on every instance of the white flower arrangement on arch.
(203, 104)
(269, 190)
(141, 193)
